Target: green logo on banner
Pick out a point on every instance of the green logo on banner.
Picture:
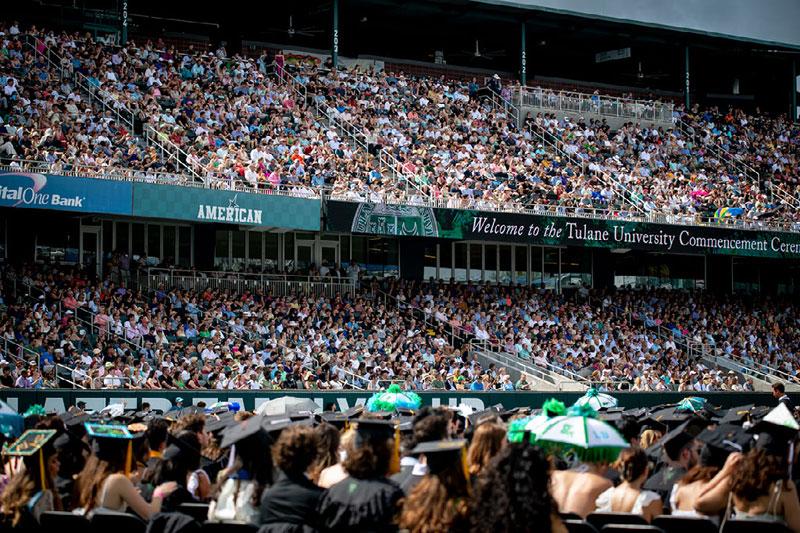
(403, 220)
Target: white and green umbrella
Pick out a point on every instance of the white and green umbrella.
(529, 426)
(588, 438)
(596, 400)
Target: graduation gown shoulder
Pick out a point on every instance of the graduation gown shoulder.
(362, 505)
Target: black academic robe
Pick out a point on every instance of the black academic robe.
(290, 505)
(360, 505)
(663, 480)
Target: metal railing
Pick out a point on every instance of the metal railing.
(280, 285)
(62, 370)
(160, 178)
(608, 106)
(108, 101)
(170, 152)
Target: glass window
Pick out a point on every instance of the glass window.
(391, 266)
(185, 246)
(359, 254)
(429, 267)
(238, 256)
(254, 250)
(108, 238)
(169, 244)
(59, 243)
(536, 267)
(271, 252)
(475, 261)
(137, 239)
(550, 275)
(288, 251)
(446, 261)
(154, 240)
(490, 262)
(521, 265)
(123, 239)
(576, 268)
(504, 274)
(344, 251)
(460, 270)
(221, 250)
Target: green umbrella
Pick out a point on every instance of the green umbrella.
(588, 438)
(597, 400)
(692, 404)
(518, 429)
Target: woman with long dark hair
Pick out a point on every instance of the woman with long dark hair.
(180, 458)
(440, 501)
(327, 455)
(486, 443)
(513, 493)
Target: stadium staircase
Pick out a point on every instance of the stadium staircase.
(541, 378)
(762, 376)
(104, 100)
(351, 134)
(557, 146)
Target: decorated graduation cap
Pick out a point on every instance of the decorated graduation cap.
(112, 442)
(31, 446)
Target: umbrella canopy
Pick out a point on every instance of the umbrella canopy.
(12, 424)
(287, 405)
(691, 404)
(529, 426)
(113, 410)
(588, 438)
(392, 399)
(597, 400)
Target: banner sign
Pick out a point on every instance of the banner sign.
(228, 207)
(58, 400)
(521, 228)
(49, 191)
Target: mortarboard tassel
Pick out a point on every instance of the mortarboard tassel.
(41, 469)
(465, 468)
(129, 458)
(394, 465)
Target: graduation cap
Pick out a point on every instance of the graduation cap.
(371, 429)
(671, 418)
(177, 446)
(240, 431)
(111, 440)
(674, 441)
(722, 441)
(776, 431)
(648, 422)
(441, 454)
(492, 414)
(217, 423)
(338, 420)
(30, 443)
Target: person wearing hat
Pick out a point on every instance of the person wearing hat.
(106, 480)
(429, 425)
(291, 502)
(179, 460)
(439, 502)
(366, 500)
(681, 452)
(31, 490)
(513, 493)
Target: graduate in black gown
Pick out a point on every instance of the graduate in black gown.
(366, 500)
(290, 504)
(178, 461)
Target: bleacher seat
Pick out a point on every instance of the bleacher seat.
(221, 527)
(631, 528)
(63, 521)
(753, 525)
(684, 524)
(198, 511)
(599, 519)
(579, 526)
(104, 521)
(570, 516)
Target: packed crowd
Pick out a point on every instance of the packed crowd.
(417, 470)
(421, 336)
(387, 135)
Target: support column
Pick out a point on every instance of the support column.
(793, 110)
(335, 33)
(523, 59)
(124, 18)
(687, 84)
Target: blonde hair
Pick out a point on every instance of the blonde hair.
(486, 443)
(649, 437)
